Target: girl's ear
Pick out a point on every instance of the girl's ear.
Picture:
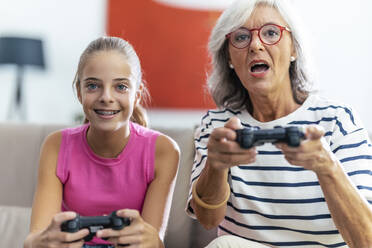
(138, 96)
(78, 91)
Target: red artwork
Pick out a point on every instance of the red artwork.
(172, 45)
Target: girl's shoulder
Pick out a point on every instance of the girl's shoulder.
(163, 141)
(75, 130)
(53, 140)
(143, 131)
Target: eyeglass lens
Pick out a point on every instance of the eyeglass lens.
(269, 34)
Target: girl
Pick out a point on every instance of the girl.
(112, 162)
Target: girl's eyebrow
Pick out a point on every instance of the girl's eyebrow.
(91, 79)
(121, 79)
(96, 79)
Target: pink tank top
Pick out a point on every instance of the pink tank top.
(93, 185)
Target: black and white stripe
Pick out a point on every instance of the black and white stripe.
(275, 203)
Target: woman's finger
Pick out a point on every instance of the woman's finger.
(314, 132)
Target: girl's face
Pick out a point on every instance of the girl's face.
(107, 90)
(262, 68)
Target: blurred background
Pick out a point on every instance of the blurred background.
(170, 37)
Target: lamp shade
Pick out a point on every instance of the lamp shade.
(21, 51)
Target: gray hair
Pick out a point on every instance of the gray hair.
(223, 83)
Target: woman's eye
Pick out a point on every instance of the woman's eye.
(242, 37)
(271, 33)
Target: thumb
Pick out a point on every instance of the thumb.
(314, 132)
(59, 218)
(234, 123)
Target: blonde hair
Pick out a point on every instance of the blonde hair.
(117, 44)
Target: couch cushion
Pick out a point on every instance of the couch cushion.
(19, 153)
(20, 145)
(14, 225)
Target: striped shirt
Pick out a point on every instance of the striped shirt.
(282, 205)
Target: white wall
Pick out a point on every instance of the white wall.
(66, 27)
(339, 31)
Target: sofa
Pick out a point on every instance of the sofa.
(19, 153)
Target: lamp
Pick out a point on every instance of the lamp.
(21, 52)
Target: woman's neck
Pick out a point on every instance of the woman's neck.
(108, 144)
(273, 106)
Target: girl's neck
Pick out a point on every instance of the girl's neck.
(108, 144)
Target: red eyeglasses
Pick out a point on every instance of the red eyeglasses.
(269, 34)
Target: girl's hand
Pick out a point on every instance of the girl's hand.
(52, 236)
(138, 234)
(223, 150)
(313, 153)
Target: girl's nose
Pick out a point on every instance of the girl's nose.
(106, 96)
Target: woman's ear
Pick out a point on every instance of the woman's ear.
(293, 53)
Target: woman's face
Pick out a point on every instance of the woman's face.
(248, 62)
(106, 91)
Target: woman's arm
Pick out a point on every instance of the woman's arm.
(148, 228)
(350, 212)
(211, 187)
(48, 198)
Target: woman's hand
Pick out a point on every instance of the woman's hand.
(313, 153)
(52, 236)
(223, 150)
(138, 234)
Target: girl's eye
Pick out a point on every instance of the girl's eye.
(122, 87)
(91, 86)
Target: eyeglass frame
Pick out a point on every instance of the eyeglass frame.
(281, 28)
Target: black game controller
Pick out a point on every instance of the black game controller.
(94, 224)
(249, 137)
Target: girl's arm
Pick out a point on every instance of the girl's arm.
(45, 223)
(158, 199)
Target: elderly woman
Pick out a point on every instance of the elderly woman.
(318, 194)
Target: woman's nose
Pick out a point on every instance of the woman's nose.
(256, 43)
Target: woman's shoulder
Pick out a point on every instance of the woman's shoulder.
(320, 101)
(220, 113)
(214, 118)
(333, 110)
(328, 106)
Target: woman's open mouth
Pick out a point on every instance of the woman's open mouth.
(259, 68)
